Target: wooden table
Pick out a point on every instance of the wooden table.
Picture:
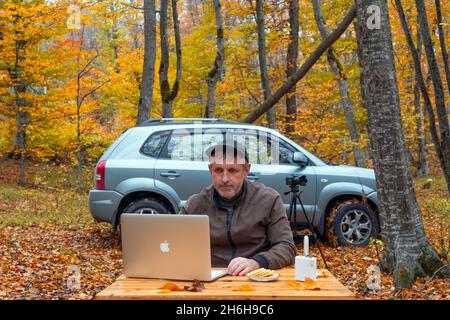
(284, 288)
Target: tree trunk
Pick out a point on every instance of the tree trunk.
(422, 163)
(22, 116)
(168, 94)
(79, 146)
(148, 69)
(406, 251)
(438, 90)
(423, 87)
(291, 66)
(216, 73)
(341, 78)
(271, 113)
(113, 35)
(442, 41)
(301, 72)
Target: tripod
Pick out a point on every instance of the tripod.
(295, 196)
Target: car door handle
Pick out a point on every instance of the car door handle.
(252, 177)
(170, 174)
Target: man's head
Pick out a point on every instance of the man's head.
(228, 164)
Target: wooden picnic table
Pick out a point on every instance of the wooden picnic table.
(284, 288)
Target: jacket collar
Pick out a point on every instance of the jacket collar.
(221, 202)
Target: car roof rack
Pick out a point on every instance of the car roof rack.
(160, 121)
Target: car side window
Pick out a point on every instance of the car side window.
(154, 144)
(179, 147)
(259, 147)
(188, 145)
(286, 154)
(208, 139)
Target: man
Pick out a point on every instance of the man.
(248, 224)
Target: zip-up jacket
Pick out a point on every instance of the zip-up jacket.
(253, 226)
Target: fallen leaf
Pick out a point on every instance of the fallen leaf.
(171, 286)
(311, 284)
(244, 288)
(164, 291)
(197, 286)
(294, 284)
(368, 259)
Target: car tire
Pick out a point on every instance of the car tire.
(353, 224)
(146, 206)
(143, 206)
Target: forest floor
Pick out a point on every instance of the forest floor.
(47, 233)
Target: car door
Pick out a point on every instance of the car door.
(272, 162)
(182, 164)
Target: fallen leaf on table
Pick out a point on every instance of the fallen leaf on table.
(164, 291)
(171, 286)
(294, 284)
(311, 284)
(197, 286)
(245, 288)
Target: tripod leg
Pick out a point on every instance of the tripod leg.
(315, 237)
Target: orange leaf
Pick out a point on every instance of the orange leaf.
(311, 284)
(244, 287)
(171, 286)
(294, 284)
(164, 291)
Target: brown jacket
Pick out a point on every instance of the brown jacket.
(256, 226)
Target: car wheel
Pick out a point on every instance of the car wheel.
(146, 206)
(353, 224)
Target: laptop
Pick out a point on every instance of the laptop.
(167, 246)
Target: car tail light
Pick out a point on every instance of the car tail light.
(100, 176)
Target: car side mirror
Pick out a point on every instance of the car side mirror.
(300, 159)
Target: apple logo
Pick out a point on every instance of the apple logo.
(164, 246)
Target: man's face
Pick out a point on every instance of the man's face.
(227, 178)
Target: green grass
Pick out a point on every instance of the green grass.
(21, 206)
(435, 200)
(9, 193)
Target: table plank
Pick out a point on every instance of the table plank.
(222, 289)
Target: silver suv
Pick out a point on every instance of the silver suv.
(155, 167)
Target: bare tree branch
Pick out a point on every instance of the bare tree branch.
(301, 72)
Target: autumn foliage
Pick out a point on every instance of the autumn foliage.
(70, 77)
(104, 42)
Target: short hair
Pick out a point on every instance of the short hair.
(227, 149)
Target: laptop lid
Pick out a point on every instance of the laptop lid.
(166, 246)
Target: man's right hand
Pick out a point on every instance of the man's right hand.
(241, 266)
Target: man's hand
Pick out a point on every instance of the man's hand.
(241, 266)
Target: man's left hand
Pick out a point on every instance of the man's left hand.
(241, 266)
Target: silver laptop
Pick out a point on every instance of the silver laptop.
(167, 246)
